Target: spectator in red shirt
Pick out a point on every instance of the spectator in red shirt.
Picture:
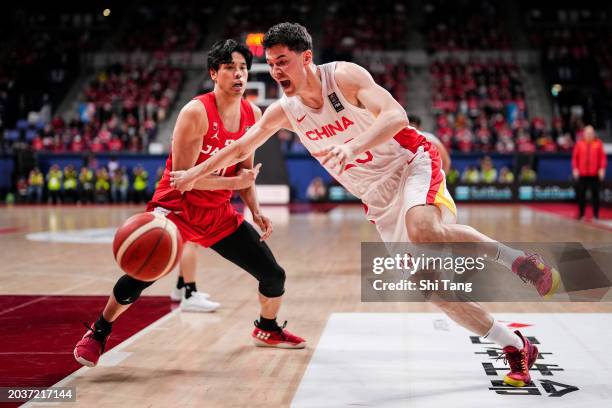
(96, 145)
(58, 146)
(546, 143)
(115, 144)
(589, 169)
(37, 144)
(465, 140)
(524, 143)
(77, 144)
(565, 142)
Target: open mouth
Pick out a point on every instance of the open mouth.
(237, 86)
(285, 84)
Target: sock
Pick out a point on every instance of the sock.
(180, 283)
(268, 324)
(506, 255)
(500, 334)
(189, 289)
(102, 328)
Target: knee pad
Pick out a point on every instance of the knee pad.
(272, 281)
(128, 289)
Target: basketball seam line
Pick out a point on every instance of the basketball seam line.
(174, 250)
(129, 240)
(152, 250)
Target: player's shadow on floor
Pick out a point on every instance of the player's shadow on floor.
(136, 375)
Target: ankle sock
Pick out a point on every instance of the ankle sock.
(268, 324)
(190, 288)
(500, 334)
(102, 328)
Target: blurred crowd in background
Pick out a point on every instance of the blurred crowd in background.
(53, 102)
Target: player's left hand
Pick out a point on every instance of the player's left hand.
(246, 177)
(182, 180)
(336, 157)
(264, 224)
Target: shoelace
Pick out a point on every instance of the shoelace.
(515, 359)
(284, 336)
(96, 335)
(528, 273)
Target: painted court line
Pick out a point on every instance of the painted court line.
(111, 358)
(44, 297)
(424, 360)
(28, 303)
(29, 353)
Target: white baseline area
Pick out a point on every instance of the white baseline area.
(424, 360)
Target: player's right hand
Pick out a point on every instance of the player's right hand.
(335, 157)
(246, 177)
(182, 180)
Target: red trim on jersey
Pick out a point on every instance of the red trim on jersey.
(436, 175)
(411, 139)
(366, 209)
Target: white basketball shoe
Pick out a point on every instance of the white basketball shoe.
(197, 302)
(177, 294)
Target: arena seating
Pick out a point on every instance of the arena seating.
(574, 42)
(119, 110)
(39, 58)
(246, 16)
(464, 25)
(364, 25)
(472, 55)
(162, 27)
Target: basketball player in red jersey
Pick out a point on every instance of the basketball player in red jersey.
(206, 126)
(359, 133)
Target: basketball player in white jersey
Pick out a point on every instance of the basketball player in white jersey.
(362, 136)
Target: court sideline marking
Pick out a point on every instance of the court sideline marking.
(118, 348)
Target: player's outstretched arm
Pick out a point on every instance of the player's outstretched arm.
(191, 124)
(358, 86)
(249, 194)
(272, 120)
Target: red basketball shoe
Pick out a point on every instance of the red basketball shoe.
(531, 267)
(280, 338)
(89, 349)
(520, 362)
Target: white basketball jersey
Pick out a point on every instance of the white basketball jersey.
(338, 122)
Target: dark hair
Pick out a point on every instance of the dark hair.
(221, 53)
(414, 120)
(293, 35)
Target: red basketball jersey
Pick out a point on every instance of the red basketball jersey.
(214, 140)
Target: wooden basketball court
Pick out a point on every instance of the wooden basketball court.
(207, 360)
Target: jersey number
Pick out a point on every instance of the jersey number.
(220, 172)
(366, 157)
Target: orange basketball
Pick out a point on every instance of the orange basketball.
(147, 246)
